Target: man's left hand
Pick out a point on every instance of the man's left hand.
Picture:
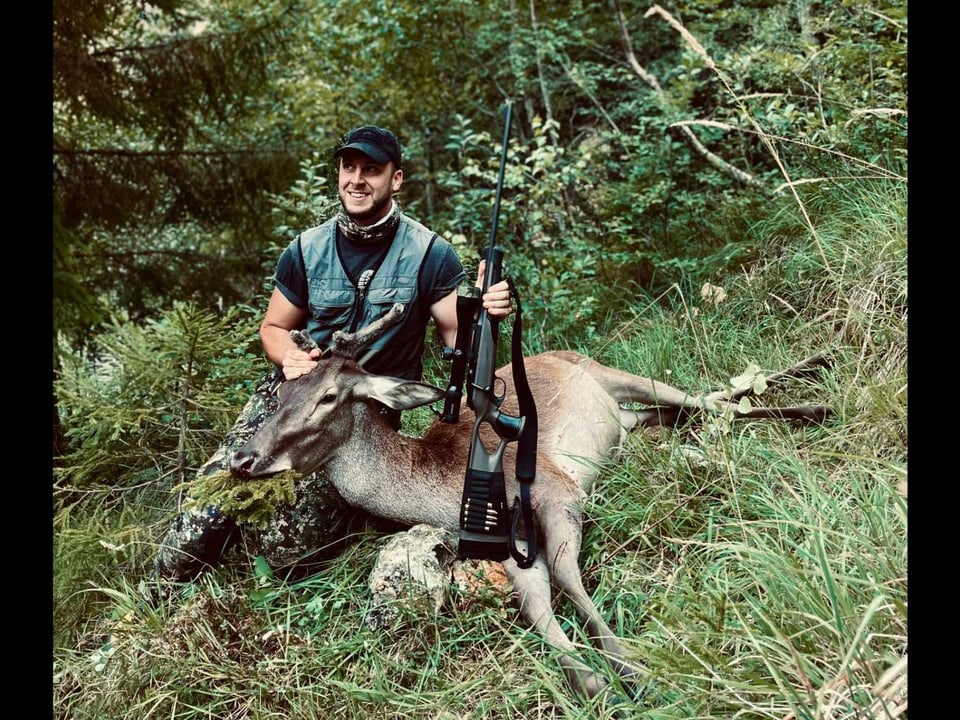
(497, 299)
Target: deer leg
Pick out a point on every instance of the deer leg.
(627, 388)
(562, 549)
(651, 417)
(532, 591)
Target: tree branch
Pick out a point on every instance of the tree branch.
(641, 72)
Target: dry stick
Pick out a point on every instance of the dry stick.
(698, 48)
(881, 172)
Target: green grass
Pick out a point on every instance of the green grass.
(754, 569)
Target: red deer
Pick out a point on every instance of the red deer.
(327, 419)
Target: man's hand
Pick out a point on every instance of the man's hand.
(497, 299)
(297, 362)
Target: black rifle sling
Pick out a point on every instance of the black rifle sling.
(526, 445)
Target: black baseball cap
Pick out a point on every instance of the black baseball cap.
(373, 141)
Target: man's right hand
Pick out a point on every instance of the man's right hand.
(297, 362)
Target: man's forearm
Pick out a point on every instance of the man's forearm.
(276, 342)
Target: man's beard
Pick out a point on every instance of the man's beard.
(365, 215)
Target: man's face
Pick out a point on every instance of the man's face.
(366, 186)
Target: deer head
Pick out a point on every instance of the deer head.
(318, 412)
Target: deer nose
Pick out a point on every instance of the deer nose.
(241, 463)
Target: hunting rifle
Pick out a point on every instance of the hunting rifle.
(486, 528)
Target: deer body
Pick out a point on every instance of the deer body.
(328, 419)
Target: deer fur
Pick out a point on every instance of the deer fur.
(327, 419)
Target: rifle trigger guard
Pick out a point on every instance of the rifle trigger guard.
(498, 399)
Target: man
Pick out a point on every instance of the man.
(340, 275)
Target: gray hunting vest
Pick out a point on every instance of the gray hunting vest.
(335, 303)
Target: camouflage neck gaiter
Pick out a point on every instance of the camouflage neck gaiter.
(370, 234)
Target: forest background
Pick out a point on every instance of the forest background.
(692, 188)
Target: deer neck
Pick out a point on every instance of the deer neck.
(396, 476)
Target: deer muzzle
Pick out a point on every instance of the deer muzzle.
(242, 463)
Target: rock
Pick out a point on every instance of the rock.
(415, 570)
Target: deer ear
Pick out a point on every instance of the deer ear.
(396, 393)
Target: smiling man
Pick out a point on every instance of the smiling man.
(349, 271)
(340, 275)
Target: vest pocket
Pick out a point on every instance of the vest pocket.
(389, 296)
(331, 307)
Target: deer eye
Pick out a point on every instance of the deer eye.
(327, 397)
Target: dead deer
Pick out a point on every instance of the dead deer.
(327, 419)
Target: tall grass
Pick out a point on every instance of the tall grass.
(754, 569)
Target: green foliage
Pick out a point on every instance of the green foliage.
(614, 202)
(552, 254)
(155, 400)
(161, 163)
(141, 412)
(309, 201)
(757, 546)
(616, 215)
(306, 204)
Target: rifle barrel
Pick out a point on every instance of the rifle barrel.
(507, 112)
